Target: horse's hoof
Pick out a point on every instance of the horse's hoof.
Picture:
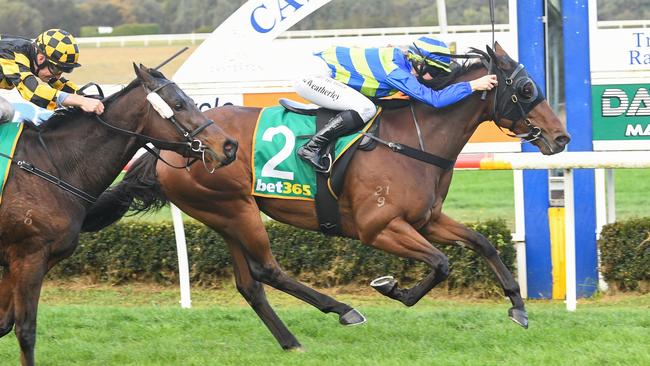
(519, 316)
(298, 349)
(384, 285)
(352, 317)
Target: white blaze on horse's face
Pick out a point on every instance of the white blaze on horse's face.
(160, 105)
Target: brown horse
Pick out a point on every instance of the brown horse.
(82, 154)
(389, 201)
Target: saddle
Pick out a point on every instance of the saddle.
(329, 185)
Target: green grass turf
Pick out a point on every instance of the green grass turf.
(138, 325)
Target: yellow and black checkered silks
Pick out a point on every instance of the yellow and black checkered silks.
(60, 47)
(16, 71)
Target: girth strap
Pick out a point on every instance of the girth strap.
(30, 168)
(416, 154)
(327, 207)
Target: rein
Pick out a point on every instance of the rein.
(191, 143)
(512, 83)
(421, 154)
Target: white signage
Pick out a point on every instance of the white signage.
(241, 44)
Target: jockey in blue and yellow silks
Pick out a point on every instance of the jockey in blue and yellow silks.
(348, 77)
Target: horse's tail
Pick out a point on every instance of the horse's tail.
(138, 192)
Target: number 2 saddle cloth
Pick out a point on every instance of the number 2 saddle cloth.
(278, 171)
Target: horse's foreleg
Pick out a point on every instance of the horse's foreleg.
(6, 304)
(28, 274)
(253, 292)
(401, 239)
(446, 230)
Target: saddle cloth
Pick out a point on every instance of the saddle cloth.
(278, 171)
(9, 135)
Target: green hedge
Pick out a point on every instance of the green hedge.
(134, 29)
(134, 251)
(625, 254)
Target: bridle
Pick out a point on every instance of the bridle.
(191, 143)
(154, 98)
(522, 95)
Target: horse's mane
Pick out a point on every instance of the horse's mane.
(457, 70)
(64, 114)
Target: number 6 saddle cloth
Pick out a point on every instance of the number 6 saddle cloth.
(278, 171)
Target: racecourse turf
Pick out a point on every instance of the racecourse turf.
(140, 325)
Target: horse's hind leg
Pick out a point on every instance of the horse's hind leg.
(401, 239)
(446, 230)
(251, 234)
(253, 292)
(6, 304)
(269, 272)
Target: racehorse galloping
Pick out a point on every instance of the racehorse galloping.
(40, 222)
(405, 223)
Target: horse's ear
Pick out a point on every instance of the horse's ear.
(491, 53)
(498, 55)
(498, 50)
(143, 74)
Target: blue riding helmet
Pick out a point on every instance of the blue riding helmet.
(423, 50)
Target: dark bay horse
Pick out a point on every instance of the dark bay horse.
(40, 222)
(389, 201)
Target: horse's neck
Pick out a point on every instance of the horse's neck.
(85, 153)
(445, 132)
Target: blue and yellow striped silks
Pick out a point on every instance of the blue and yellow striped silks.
(365, 69)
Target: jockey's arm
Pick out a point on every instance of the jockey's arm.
(409, 85)
(68, 98)
(64, 84)
(90, 105)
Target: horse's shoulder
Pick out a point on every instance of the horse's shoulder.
(231, 111)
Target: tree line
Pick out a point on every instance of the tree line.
(30, 17)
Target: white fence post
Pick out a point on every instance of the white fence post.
(183, 263)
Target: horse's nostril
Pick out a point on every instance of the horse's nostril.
(562, 140)
(230, 147)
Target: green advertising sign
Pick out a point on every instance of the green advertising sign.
(621, 112)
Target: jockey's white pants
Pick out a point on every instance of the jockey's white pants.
(320, 88)
(6, 111)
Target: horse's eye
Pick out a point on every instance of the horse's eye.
(178, 106)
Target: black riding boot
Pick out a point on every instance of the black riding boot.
(342, 124)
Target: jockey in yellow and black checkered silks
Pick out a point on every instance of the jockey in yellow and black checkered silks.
(23, 62)
(60, 48)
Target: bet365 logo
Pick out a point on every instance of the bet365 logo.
(617, 102)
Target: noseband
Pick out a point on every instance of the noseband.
(194, 144)
(523, 97)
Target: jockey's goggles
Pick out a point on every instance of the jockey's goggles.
(57, 69)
